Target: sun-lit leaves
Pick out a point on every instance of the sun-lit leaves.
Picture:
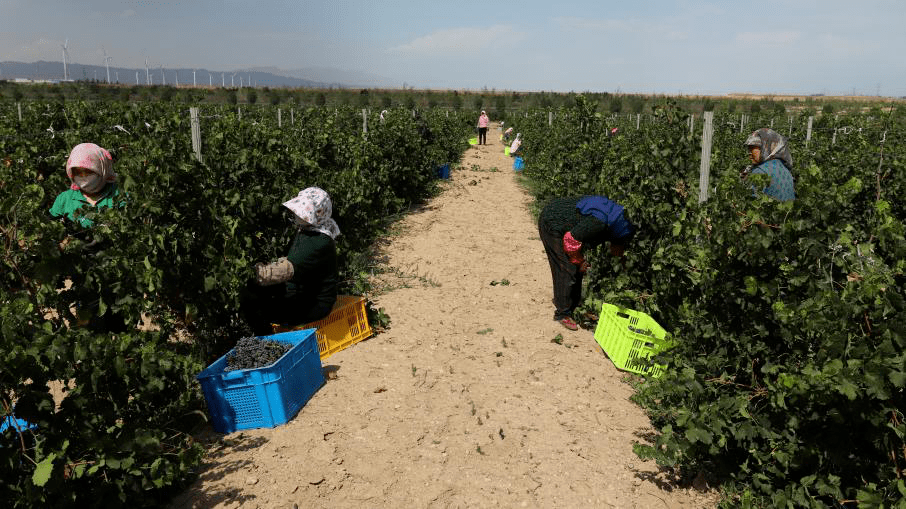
(787, 384)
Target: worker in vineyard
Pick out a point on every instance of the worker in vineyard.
(570, 226)
(516, 145)
(770, 155)
(483, 128)
(92, 184)
(301, 287)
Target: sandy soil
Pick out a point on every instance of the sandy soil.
(464, 401)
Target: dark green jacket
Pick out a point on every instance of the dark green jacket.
(560, 215)
(314, 259)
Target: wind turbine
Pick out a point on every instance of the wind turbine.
(193, 79)
(65, 47)
(232, 81)
(163, 76)
(147, 73)
(107, 64)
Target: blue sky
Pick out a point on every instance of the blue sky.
(689, 47)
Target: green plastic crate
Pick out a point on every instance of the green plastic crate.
(630, 338)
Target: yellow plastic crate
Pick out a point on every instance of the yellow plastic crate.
(345, 326)
(630, 338)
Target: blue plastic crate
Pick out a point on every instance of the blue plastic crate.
(443, 171)
(518, 164)
(16, 424)
(268, 396)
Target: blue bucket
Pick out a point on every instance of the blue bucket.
(443, 171)
(518, 164)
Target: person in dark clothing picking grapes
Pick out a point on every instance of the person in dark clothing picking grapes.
(568, 226)
(301, 287)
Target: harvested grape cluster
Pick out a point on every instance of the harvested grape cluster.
(253, 352)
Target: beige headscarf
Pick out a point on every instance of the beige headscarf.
(95, 159)
(772, 145)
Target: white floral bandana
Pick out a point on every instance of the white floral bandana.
(313, 208)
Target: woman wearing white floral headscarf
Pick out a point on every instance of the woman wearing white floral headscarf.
(301, 287)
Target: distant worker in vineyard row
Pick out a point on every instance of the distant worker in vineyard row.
(483, 128)
(568, 226)
(516, 145)
(770, 155)
(301, 287)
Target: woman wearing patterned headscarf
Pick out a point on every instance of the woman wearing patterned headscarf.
(301, 287)
(770, 155)
(92, 183)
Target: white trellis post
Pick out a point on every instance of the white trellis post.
(808, 133)
(638, 120)
(772, 123)
(364, 120)
(239, 109)
(19, 107)
(704, 173)
(279, 118)
(691, 124)
(791, 127)
(292, 116)
(196, 133)
(550, 118)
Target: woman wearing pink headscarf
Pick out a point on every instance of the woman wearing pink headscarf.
(92, 184)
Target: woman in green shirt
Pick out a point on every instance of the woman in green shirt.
(301, 287)
(93, 183)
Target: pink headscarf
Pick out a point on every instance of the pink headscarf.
(95, 159)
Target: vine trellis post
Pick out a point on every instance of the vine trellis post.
(196, 133)
(704, 172)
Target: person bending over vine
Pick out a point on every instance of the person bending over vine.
(568, 226)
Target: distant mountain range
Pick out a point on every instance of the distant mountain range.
(315, 77)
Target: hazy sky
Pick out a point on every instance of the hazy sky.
(692, 46)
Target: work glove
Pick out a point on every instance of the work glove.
(274, 273)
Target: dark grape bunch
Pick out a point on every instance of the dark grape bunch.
(253, 352)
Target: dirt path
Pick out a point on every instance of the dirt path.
(465, 401)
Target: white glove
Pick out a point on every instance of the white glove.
(274, 273)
